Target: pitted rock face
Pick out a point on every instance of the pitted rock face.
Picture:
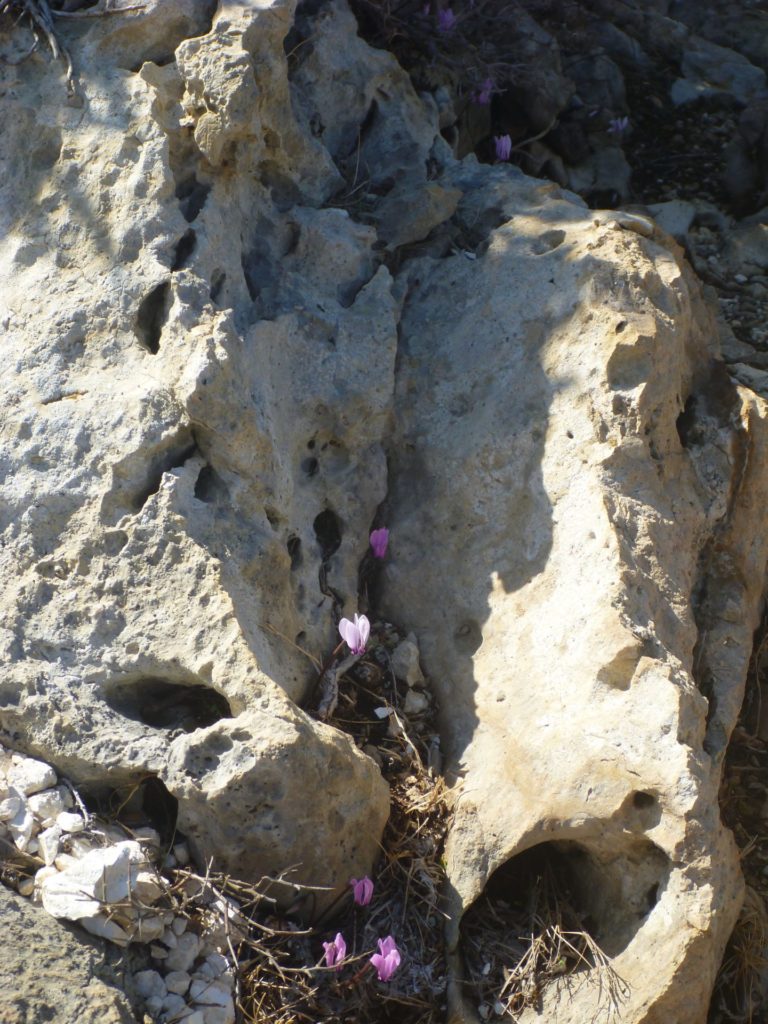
(220, 363)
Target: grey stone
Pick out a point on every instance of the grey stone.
(50, 972)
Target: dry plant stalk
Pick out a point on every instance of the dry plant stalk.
(512, 953)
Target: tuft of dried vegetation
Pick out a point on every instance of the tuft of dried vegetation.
(282, 978)
(514, 948)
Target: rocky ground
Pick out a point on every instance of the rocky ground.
(235, 248)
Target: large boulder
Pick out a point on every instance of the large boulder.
(576, 490)
(194, 456)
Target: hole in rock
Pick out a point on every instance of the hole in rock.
(642, 800)
(273, 516)
(686, 423)
(165, 705)
(151, 316)
(209, 486)
(558, 909)
(184, 249)
(310, 466)
(172, 459)
(294, 550)
(136, 804)
(327, 527)
(468, 637)
(192, 196)
(217, 283)
(547, 241)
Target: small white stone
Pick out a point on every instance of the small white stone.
(69, 821)
(158, 952)
(31, 776)
(49, 842)
(174, 1006)
(147, 887)
(65, 861)
(150, 983)
(218, 964)
(416, 701)
(47, 805)
(181, 853)
(32, 846)
(170, 938)
(9, 807)
(206, 972)
(179, 925)
(183, 956)
(148, 929)
(104, 927)
(405, 662)
(21, 826)
(155, 1005)
(177, 981)
(26, 886)
(169, 863)
(210, 993)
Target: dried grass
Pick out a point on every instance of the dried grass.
(514, 951)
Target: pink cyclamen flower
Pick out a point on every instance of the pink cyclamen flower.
(503, 145)
(379, 540)
(355, 633)
(335, 951)
(484, 93)
(446, 20)
(618, 125)
(387, 960)
(362, 890)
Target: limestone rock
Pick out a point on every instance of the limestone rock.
(202, 365)
(565, 434)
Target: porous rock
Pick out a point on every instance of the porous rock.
(565, 431)
(202, 340)
(197, 435)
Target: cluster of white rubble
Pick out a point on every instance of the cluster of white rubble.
(106, 878)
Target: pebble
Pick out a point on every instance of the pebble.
(181, 853)
(47, 805)
(70, 822)
(158, 952)
(183, 956)
(210, 993)
(179, 925)
(739, 278)
(416, 702)
(196, 1017)
(174, 1006)
(65, 861)
(30, 776)
(49, 842)
(9, 807)
(155, 1005)
(26, 886)
(177, 981)
(150, 983)
(218, 964)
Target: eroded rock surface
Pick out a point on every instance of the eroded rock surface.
(49, 973)
(239, 283)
